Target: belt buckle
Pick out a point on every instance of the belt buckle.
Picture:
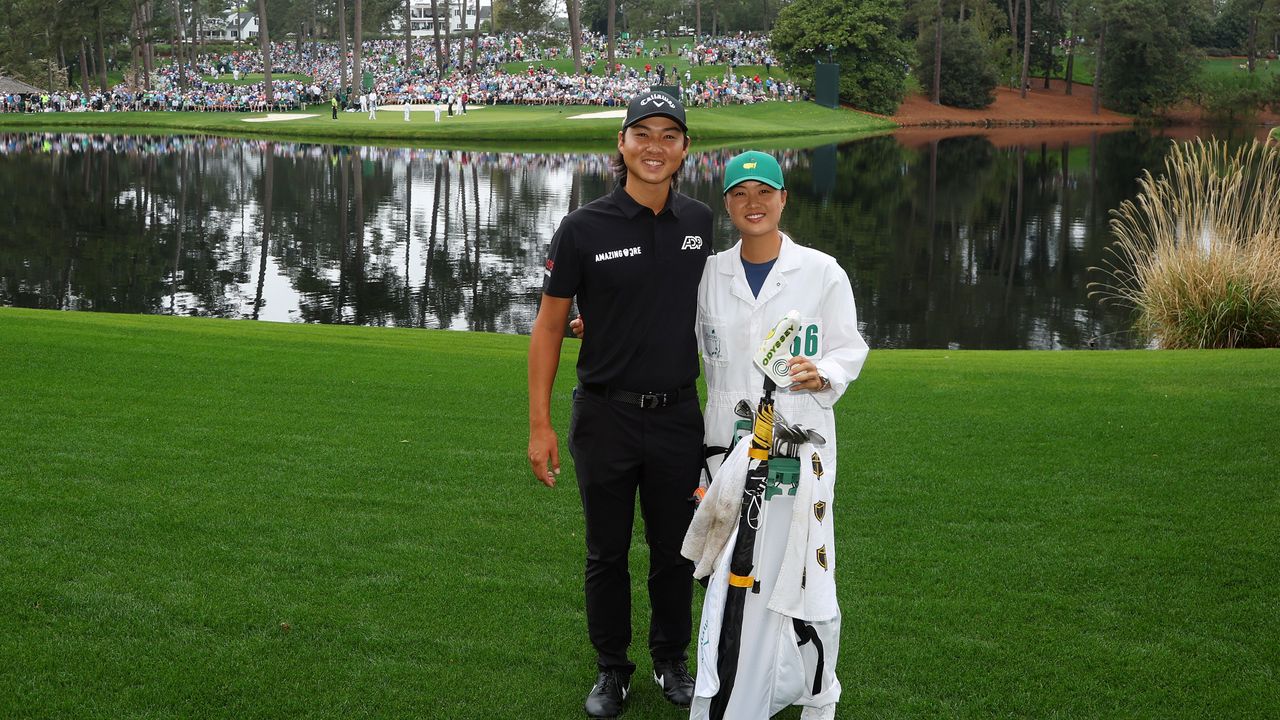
(649, 401)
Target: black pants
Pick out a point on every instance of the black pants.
(618, 449)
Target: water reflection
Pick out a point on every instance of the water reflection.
(950, 241)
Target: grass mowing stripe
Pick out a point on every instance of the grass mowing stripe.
(503, 127)
(231, 519)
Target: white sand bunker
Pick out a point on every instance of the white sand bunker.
(599, 115)
(429, 107)
(278, 117)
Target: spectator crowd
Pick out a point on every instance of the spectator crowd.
(215, 82)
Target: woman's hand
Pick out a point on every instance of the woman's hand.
(805, 375)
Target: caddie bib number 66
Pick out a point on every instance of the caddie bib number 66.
(807, 341)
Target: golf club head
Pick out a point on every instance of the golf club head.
(815, 438)
(775, 350)
(744, 410)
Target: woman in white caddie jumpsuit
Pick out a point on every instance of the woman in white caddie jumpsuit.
(744, 292)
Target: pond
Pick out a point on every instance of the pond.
(952, 240)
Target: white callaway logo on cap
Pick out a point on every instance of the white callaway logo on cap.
(658, 99)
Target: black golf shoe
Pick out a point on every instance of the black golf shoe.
(676, 682)
(609, 695)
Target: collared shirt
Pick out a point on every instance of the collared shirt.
(635, 276)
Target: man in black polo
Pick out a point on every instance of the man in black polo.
(633, 259)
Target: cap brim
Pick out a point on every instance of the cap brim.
(767, 181)
(656, 113)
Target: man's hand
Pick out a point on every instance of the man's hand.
(544, 446)
(577, 327)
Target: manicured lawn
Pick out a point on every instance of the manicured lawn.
(500, 127)
(696, 72)
(252, 78)
(1219, 67)
(208, 518)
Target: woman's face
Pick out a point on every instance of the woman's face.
(755, 208)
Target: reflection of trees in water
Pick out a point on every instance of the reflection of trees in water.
(962, 244)
(957, 242)
(94, 230)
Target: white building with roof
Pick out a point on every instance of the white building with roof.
(232, 27)
(461, 16)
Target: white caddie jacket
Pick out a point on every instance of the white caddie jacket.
(732, 323)
(776, 669)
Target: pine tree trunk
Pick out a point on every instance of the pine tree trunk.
(1026, 48)
(93, 60)
(343, 83)
(448, 26)
(937, 57)
(575, 33)
(102, 55)
(435, 30)
(1014, 12)
(357, 46)
(475, 40)
(264, 41)
(408, 35)
(613, 9)
(1253, 40)
(148, 48)
(84, 68)
(1071, 63)
(1097, 70)
(136, 44)
(178, 50)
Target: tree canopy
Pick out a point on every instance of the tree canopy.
(861, 35)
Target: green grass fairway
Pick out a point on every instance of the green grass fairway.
(501, 127)
(1220, 67)
(696, 72)
(252, 78)
(227, 519)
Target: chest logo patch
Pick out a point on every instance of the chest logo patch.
(615, 254)
(692, 242)
(712, 341)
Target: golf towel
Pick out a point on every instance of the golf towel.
(795, 568)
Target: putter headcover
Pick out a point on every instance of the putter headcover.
(771, 359)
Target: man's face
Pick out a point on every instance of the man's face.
(755, 208)
(653, 149)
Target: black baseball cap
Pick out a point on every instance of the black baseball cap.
(654, 102)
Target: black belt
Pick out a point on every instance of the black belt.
(645, 400)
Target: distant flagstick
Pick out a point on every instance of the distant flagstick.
(741, 564)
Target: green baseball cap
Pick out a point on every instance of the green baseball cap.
(753, 165)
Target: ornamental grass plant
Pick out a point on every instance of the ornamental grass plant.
(1197, 253)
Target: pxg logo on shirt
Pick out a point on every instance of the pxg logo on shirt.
(692, 242)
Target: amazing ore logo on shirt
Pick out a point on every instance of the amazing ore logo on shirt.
(614, 254)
